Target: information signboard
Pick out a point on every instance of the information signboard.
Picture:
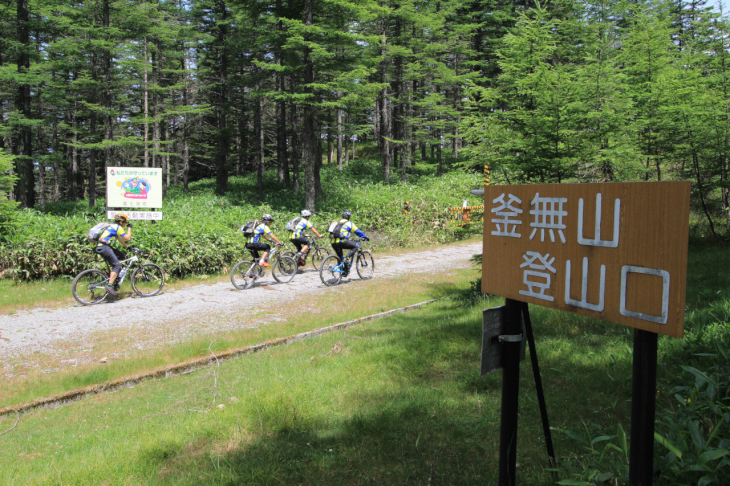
(612, 251)
(134, 189)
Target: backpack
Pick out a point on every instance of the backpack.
(335, 227)
(292, 224)
(247, 229)
(96, 231)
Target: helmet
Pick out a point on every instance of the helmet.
(346, 214)
(267, 217)
(121, 217)
(306, 213)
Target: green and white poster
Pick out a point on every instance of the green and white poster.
(135, 189)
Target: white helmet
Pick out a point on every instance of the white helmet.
(306, 213)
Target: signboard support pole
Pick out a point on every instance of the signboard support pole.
(510, 393)
(538, 384)
(643, 401)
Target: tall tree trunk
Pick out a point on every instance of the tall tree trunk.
(92, 165)
(339, 137)
(384, 119)
(318, 193)
(241, 142)
(145, 160)
(294, 140)
(260, 146)
(164, 136)
(222, 131)
(41, 163)
(156, 162)
(185, 120)
(281, 155)
(75, 189)
(309, 149)
(56, 194)
(107, 91)
(23, 149)
(376, 124)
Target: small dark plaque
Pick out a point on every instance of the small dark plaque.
(492, 325)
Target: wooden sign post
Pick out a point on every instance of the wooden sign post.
(611, 251)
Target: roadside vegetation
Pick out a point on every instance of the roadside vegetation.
(199, 233)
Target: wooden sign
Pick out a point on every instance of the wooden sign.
(612, 251)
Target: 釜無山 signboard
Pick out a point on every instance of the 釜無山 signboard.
(612, 251)
(137, 190)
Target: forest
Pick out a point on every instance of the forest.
(560, 91)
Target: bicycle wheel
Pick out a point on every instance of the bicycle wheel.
(318, 257)
(245, 274)
(284, 269)
(365, 264)
(148, 279)
(331, 272)
(88, 287)
(288, 253)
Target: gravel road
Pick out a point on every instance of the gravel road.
(176, 314)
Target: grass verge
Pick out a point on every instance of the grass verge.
(398, 400)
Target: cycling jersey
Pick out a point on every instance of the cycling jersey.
(302, 226)
(107, 237)
(259, 232)
(346, 231)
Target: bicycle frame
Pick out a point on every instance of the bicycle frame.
(338, 267)
(312, 246)
(272, 253)
(125, 270)
(126, 265)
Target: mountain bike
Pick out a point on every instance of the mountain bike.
(147, 279)
(245, 274)
(333, 270)
(318, 252)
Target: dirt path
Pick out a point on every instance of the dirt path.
(60, 336)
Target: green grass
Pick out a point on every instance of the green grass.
(401, 402)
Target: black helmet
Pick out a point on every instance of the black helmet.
(267, 217)
(346, 214)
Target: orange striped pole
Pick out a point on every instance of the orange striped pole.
(486, 174)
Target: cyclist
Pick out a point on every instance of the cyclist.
(297, 236)
(341, 241)
(122, 230)
(256, 243)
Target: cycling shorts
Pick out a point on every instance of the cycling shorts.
(299, 242)
(345, 245)
(111, 255)
(255, 248)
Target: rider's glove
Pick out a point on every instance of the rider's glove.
(129, 225)
(366, 239)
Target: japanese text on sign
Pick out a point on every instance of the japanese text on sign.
(615, 252)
